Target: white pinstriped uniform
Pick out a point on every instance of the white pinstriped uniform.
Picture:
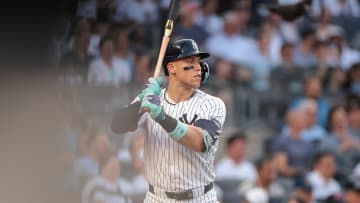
(172, 167)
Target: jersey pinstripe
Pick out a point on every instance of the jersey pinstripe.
(172, 166)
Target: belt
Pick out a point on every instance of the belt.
(188, 194)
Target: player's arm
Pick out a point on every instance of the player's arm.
(126, 118)
(198, 137)
(201, 139)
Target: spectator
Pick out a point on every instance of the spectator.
(105, 9)
(256, 195)
(105, 187)
(313, 132)
(352, 84)
(354, 177)
(266, 180)
(223, 74)
(323, 59)
(351, 193)
(106, 70)
(334, 82)
(346, 55)
(81, 25)
(230, 45)
(87, 9)
(207, 17)
(142, 37)
(353, 115)
(313, 90)
(341, 143)
(270, 26)
(235, 165)
(292, 153)
(75, 63)
(302, 192)
(139, 182)
(142, 68)
(242, 10)
(337, 8)
(322, 177)
(122, 52)
(87, 165)
(323, 23)
(220, 83)
(286, 77)
(100, 30)
(304, 55)
(261, 62)
(187, 27)
(138, 12)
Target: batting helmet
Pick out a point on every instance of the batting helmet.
(185, 48)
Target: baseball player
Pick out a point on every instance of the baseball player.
(184, 126)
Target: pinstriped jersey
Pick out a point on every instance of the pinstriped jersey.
(172, 166)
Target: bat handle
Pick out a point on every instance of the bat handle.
(165, 41)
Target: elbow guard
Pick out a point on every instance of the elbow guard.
(211, 132)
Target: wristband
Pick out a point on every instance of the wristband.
(175, 128)
(179, 131)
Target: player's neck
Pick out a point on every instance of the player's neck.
(179, 93)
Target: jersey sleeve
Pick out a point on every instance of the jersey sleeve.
(214, 109)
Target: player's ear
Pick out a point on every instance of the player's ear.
(171, 68)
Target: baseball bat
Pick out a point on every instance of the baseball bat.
(166, 37)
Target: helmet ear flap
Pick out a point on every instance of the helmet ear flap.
(205, 71)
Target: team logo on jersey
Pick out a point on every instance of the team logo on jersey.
(184, 119)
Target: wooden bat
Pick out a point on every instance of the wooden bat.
(166, 38)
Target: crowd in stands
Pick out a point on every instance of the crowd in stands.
(304, 75)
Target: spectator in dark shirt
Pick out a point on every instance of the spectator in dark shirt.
(353, 114)
(75, 63)
(352, 84)
(291, 153)
(313, 90)
(304, 55)
(187, 27)
(341, 143)
(286, 77)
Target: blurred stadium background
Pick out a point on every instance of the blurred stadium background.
(292, 91)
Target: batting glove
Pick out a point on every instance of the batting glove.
(153, 87)
(152, 103)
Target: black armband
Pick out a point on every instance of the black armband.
(167, 122)
(125, 119)
(175, 128)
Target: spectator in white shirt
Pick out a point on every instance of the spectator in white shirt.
(322, 177)
(230, 45)
(137, 11)
(261, 61)
(106, 187)
(235, 165)
(106, 70)
(266, 180)
(350, 8)
(346, 55)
